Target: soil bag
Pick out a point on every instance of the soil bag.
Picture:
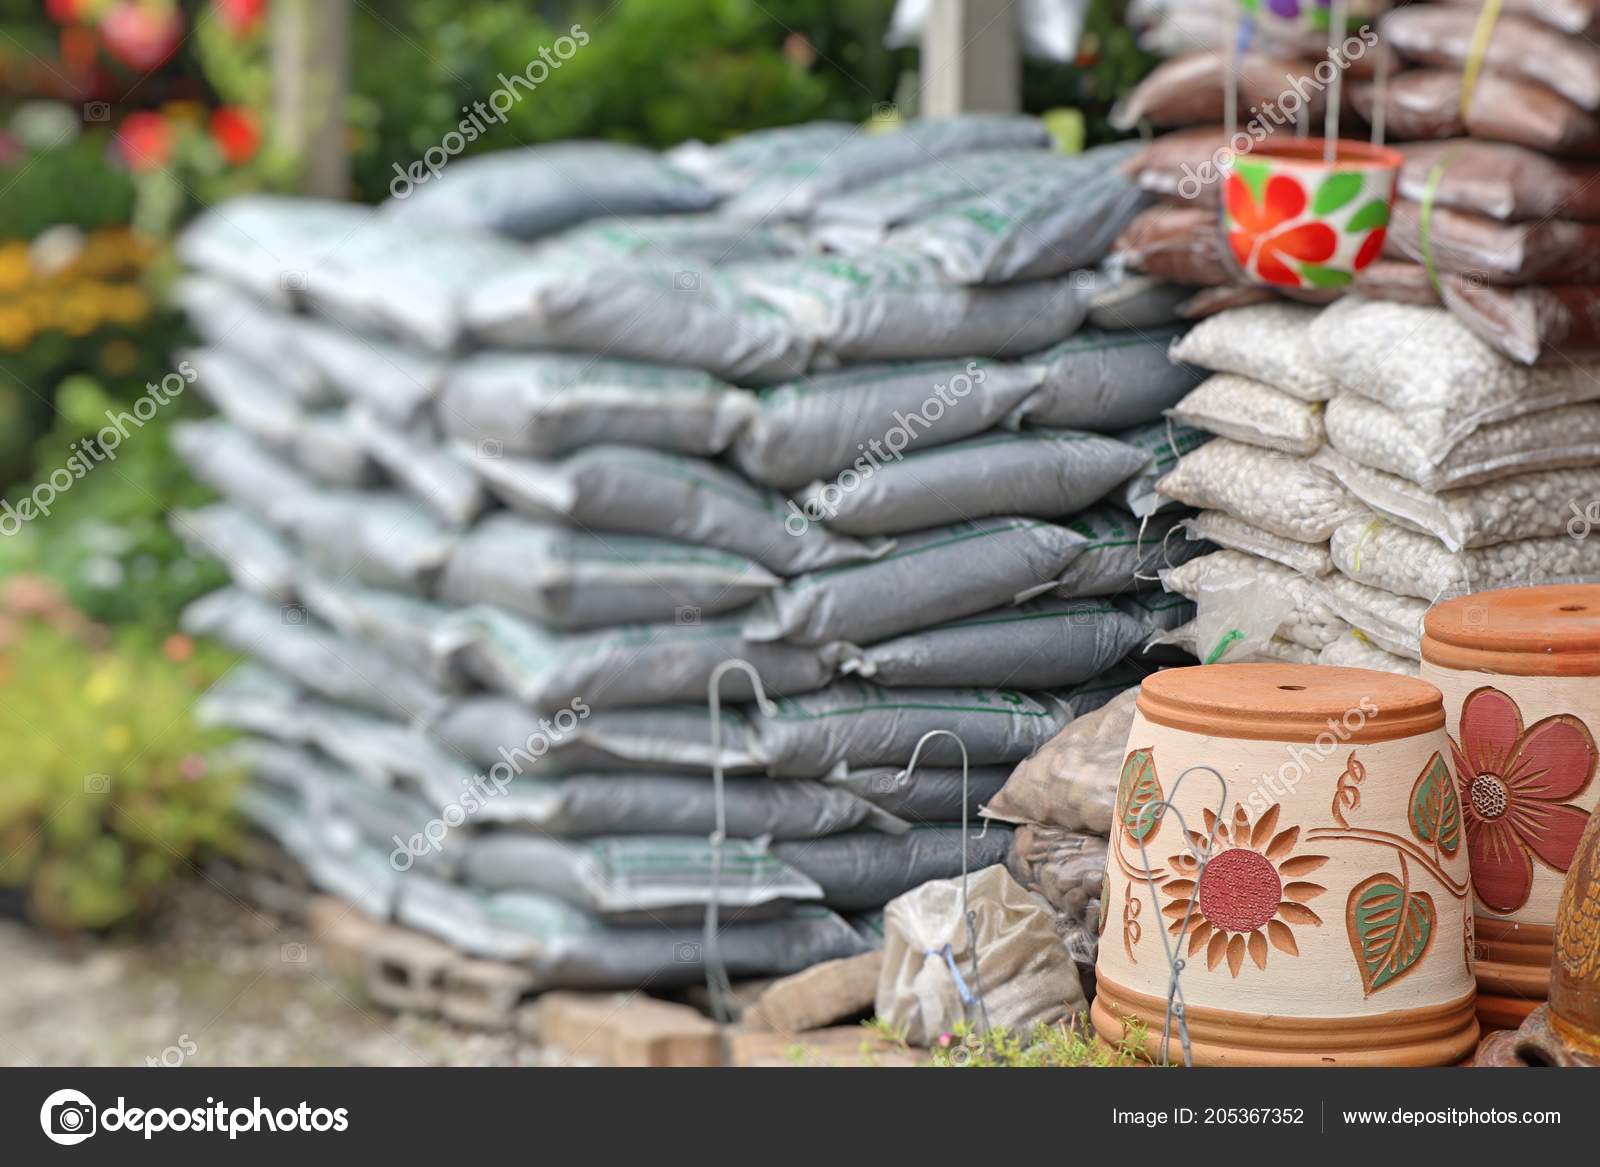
(816, 427)
(1043, 644)
(1070, 782)
(649, 492)
(862, 871)
(853, 724)
(544, 405)
(1035, 472)
(574, 580)
(1106, 381)
(537, 190)
(929, 578)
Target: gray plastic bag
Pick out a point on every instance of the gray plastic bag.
(575, 580)
(1035, 472)
(650, 492)
(401, 626)
(497, 732)
(931, 795)
(929, 578)
(237, 467)
(283, 639)
(1032, 227)
(704, 238)
(398, 384)
(416, 459)
(1123, 553)
(1042, 644)
(668, 311)
(566, 948)
(640, 664)
(797, 185)
(255, 558)
(233, 320)
(816, 427)
(1106, 381)
(537, 190)
(638, 879)
(543, 405)
(1165, 442)
(381, 538)
(323, 444)
(860, 871)
(729, 167)
(269, 245)
(897, 305)
(854, 724)
(1022, 968)
(861, 219)
(1070, 782)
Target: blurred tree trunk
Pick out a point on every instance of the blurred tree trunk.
(311, 87)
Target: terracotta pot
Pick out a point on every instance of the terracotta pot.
(1293, 220)
(1518, 671)
(1331, 924)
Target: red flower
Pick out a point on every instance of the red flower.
(141, 36)
(1258, 231)
(241, 16)
(65, 11)
(144, 141)
(1513, 783)
(236, 134)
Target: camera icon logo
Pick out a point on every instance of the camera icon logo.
(97, 111)
(97, 784)
(293, 615)
(686, 952)
(885, 111)
(292, 953)
(686, 281)
(686, 617)
(491, 448)
(68, 1117)
(293, 280)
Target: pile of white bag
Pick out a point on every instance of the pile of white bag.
(509, 467)
(1373, 458)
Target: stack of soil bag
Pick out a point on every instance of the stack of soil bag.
(509, 466)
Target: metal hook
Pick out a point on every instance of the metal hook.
(966, 800)
(1148, 814)
(718, 986)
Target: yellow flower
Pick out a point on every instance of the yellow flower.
(118, 737)
(104, 684)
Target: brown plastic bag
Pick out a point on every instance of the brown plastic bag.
(1438, 35)
(1574, 17)
(1550, 251)
(1533, 325)
(1397, 281)
(1025, 975)
(1177, 242)
(1183, 164)
(1071, 780)
(1188, 90)
(1426, 104)
(1500, 181)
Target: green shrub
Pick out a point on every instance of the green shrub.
(107, 798)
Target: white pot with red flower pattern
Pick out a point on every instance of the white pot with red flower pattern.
(1520, 674)
(1291, 834)
(1292, 219)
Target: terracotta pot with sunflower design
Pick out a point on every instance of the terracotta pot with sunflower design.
(1520, 673)
(1294, 220)
(1317, 895)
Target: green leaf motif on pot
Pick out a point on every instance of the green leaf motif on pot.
(1255, 176)
(1390, 929)
(1435, 809)
(1324, 277)
(1138, 789)
(1373, 214)
(1336, 191)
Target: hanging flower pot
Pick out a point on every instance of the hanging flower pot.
(1330, 922)
(1292, 219)
(1520, 673)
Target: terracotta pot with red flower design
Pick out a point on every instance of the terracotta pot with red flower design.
(1291, 834)
(1520, 673)
(1292, 219)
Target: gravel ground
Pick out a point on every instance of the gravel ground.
(213, 983)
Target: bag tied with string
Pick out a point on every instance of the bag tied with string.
(1024, 975)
